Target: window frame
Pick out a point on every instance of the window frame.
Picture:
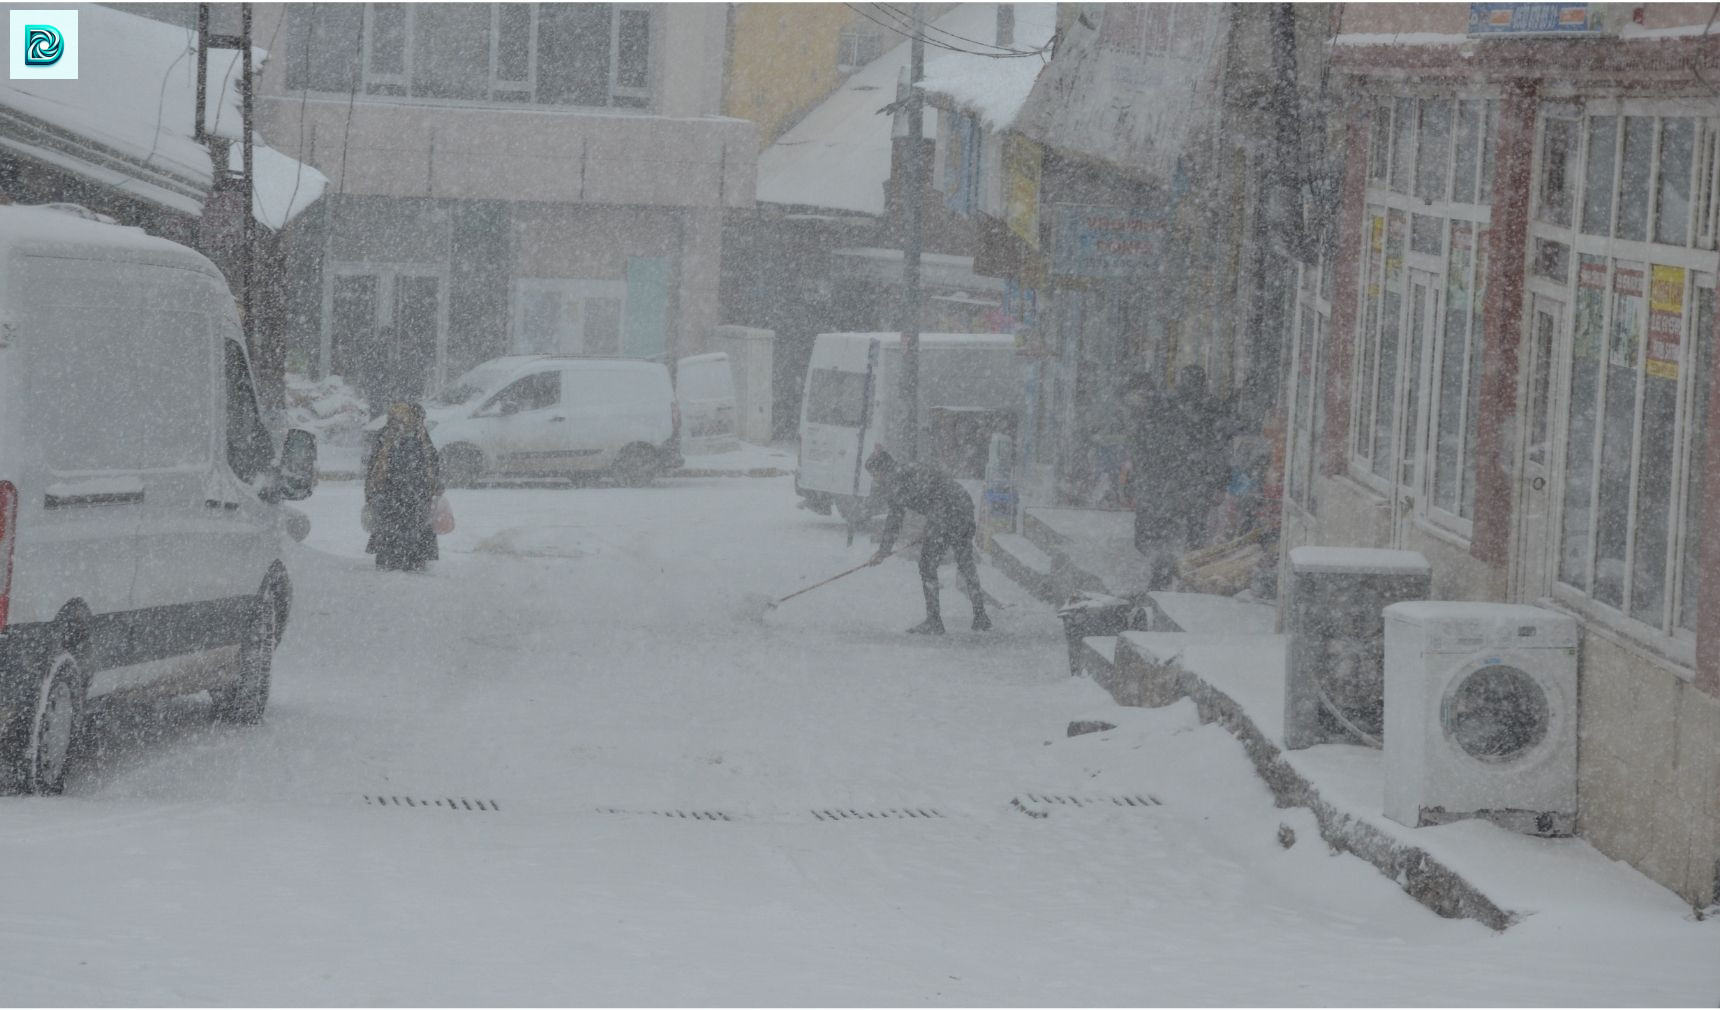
(1380, 201)
(1697, 261)
(397, 87)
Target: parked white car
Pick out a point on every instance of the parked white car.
(705, 391)
(554, 415)
(140, 530)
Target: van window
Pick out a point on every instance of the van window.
(534, 392)
(249, 448)
(834, 397)
(618, 387)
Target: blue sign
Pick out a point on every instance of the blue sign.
(1533, 19)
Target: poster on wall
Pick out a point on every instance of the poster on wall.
(1665, 320)
(1628, 290)
(1591, 304)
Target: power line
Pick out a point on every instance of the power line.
(1003, 50)
(940, 43)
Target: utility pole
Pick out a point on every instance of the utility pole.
(911, 243)
(222, 200)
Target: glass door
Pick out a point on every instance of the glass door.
(1409, 416)
(1532, 561)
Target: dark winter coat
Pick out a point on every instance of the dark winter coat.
(1181, 460)
(924, 488)
(401, 487)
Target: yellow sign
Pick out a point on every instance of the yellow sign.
(1021, 166)
(1665, 320)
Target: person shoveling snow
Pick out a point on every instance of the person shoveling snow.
(950, 527)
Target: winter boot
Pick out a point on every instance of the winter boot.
(934, 622)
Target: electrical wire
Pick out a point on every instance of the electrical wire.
(909, 33)
(1009, 50)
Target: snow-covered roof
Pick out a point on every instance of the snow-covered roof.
(127, 121)
(995, 90)
(838, 156)
(48, 228)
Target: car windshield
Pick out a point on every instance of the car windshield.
(474, 384)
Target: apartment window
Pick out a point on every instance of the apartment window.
(856, 47)
(1635, 363)
(563, 316)
(596, 55)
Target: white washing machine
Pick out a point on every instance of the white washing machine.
(1481, 715)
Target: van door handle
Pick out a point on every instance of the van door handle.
(558, 418)
(230, 506)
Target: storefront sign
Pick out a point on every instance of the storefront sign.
(1097, 241)
(1665, 320)
(1022, 160)
(1535, 19)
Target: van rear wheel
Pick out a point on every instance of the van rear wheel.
(245, 700)
(45, 744)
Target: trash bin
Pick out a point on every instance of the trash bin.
(1091, 614)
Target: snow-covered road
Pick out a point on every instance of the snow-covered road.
(594, 664)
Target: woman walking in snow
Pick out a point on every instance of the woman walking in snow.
(400, 490)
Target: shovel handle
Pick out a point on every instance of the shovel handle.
(864, 564)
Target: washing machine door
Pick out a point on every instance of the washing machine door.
(1497, 712)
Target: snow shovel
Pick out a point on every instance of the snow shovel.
(773, 604)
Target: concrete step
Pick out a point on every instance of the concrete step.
(1098, 657)
(1025, 563)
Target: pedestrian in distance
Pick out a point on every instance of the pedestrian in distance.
(1154, 482)
(950, 528)
(400, 492)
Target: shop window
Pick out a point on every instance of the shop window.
(1433, 150)
(451, 51)
(1672, 188)
(1708, 184)
(1454, 370)
(1466, 158)
(1695, 472)
(1598, 175)
(1472, 410)
(1403, 144)
(1552, 260)
(1391, 307)
(1426, 233)
(1380, 143)
(1578, 532)
(1488, 125)
(385, 53)
(1635, 169)
(322, 54)
(1558, 171)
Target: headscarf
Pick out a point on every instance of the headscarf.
(405, 422)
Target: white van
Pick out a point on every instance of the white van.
(852, 404)
(140, 535)
(554, 415)
(705, 391)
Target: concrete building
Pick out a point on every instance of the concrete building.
(504, 178)
(1506, 364)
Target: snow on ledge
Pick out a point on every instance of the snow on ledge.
(1364, 560)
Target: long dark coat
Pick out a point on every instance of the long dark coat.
(404, 480)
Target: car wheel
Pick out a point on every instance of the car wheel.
(246, 699)
(53, 725)
(636, 466)
(462, 465)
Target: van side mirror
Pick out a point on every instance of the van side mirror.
(297, 473)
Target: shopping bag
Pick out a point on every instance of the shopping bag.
(442, 517)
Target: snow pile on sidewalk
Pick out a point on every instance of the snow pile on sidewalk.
(328, 408)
